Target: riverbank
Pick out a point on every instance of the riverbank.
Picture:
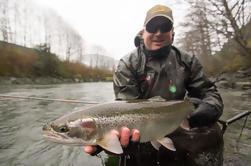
(47, 80)
(240, 80)
(22, 65)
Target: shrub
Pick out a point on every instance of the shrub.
(20, 61)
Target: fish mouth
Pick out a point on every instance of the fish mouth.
(54, 137)
(50, 135)
(62, 139)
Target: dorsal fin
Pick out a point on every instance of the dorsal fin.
(157, 98)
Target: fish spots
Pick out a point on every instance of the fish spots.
(87, 123)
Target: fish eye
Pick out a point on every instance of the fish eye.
(63, 129)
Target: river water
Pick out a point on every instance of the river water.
(21, 122)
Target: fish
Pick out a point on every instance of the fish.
(91, 126)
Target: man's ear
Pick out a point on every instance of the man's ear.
(138, 38)
(172, 29)
(173, 33)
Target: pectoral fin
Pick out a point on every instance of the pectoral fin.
(155, 144)
(167, 142)
(111, 143)
(185, 125)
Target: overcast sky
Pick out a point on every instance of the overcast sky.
(112, 24)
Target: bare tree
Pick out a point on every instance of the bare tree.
(80, 50)
(23, 22)
(238, 18)
(196, 37)
(218, 22)
(98, 57)
(98, 52)
(4, 21)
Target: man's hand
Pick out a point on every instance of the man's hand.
(204, 114)
(124, 136)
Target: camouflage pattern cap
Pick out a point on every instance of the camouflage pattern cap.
(159, 10)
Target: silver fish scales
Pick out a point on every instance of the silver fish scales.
(91, 126)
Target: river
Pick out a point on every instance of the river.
(21, 121)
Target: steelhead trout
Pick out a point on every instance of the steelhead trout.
(91, 126)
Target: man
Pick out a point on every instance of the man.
(156, 68)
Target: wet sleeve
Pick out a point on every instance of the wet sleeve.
(199, 86)
(125, 83)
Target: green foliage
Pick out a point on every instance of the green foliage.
(48, 64)
(16, 62)
(19, 61)
(249, 43)
(222, 63)
(78, 76)
(78, 70)
(229, 59)
(236, 63)
(212, 65)
(108, 78)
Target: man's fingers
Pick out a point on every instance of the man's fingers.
(125, 135)
(135, 135)
(90, 149)
(115, 132)
(188, 116)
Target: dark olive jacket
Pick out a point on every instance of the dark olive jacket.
(171, 74)
(168, 72)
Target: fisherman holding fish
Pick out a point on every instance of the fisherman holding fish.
(157, 68)
(147, 133)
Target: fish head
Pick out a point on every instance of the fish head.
(74, 132)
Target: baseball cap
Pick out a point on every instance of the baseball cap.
(159, 10)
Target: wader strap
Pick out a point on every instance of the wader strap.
(122, 160)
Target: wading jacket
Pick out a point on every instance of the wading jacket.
(168, 72)
(171, 74)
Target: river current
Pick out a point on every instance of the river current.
(21, 121)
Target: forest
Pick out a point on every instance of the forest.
(216, 31)
(19, 61)
(37, 42)
(25, 23)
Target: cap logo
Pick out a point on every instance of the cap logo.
(159, 10)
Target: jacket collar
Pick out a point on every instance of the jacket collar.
(162, 52)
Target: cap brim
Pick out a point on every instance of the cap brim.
(169, 18)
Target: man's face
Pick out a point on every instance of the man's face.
(155, 35)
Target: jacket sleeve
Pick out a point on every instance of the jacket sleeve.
(199, 86)
(125, 82)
